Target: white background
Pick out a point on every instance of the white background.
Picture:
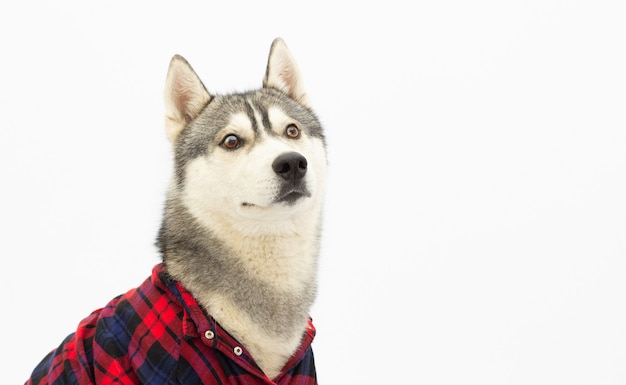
(475, 225)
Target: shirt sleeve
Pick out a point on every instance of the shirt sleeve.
(70, 363)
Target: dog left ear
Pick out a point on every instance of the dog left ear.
(185, 96)
(283, 74)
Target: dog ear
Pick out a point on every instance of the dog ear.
(185, 96)
(283, 74)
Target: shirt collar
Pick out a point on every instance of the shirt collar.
(195, 319)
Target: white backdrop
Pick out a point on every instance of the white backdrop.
(475, 225)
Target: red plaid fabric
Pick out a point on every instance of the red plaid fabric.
(158, 334)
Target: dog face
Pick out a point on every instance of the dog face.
(263, 159)
(255, 160)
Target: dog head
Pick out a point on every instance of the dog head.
(255, 159)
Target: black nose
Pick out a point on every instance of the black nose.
(290, 166)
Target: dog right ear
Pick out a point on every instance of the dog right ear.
(185, 96)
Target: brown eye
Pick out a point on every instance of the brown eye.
(292, 131)
(231, 142)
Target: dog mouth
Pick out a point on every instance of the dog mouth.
(290, 197)
(293, 196)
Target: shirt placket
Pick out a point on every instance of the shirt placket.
(212, 335)
(217, 338)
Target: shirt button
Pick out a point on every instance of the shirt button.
(209, 334)
(238, 350)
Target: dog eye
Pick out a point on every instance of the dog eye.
(231, 142)
(292, 131)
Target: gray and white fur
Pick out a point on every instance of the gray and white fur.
(242, 218)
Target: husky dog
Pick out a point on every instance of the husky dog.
(242, 219)
(241, 224)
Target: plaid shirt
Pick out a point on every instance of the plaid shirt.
(158, 334)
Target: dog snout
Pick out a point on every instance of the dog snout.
(290, 166)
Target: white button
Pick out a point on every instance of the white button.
(238, 350)
(209, 334)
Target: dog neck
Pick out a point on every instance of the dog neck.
(259, 287)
